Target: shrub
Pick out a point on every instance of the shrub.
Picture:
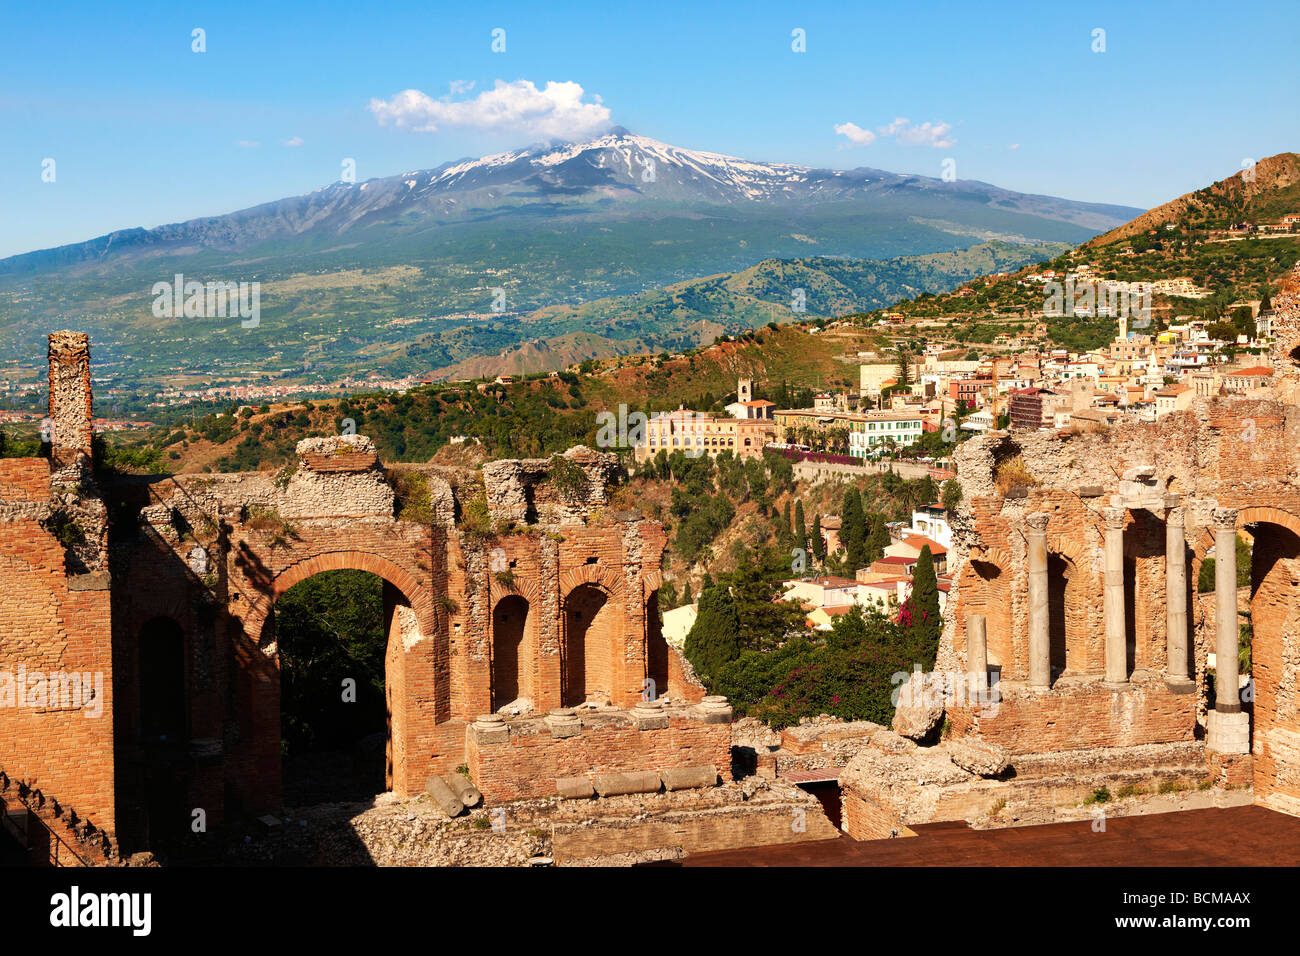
(1012, 472)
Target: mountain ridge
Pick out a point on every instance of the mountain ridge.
(560, 168)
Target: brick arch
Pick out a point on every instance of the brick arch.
(525, 587)
(1247, 516)
(394, 574)
(593, 661)
(608, 579)
(994, 556)
(651, 581)
(978, 594)
(1070, 547)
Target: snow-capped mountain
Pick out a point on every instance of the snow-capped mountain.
(623, 161)
(615, 175)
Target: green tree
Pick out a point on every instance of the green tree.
(818, 542)
(926, 623)
(904, 369)
(951, 495)
(800, 529)
(877, 537)
(852, 534)
(714, 639)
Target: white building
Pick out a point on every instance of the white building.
(878, 431)
(932, 521)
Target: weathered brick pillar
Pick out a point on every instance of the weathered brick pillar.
(1116, 637)
(1040, 648)
(1228, 728)
(71, 402)
(1176, 670)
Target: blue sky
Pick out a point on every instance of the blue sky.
(144, 131)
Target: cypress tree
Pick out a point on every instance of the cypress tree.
(714, 639)
(877, 537)
(926, 622)
(851, 529)
(818, 542)
(800, 529)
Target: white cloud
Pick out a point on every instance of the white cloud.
(293, 141)
(857, 136)
(902, 131)
(556, 111)
(927, 134)
(1014, 146)
(247, 143)
(458, 87)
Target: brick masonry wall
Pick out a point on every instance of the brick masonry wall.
(529, 762)
(866, 819)
(440, 659)
(1083, 717)
(24, 479)
(1240, 453)
(214, 552)
(48, 624)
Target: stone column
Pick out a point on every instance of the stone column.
(1228, 729)
(1225, 611)
(1040, 648)
(1116, 636)
(1176, 676)
(977, 649)
(977, 659)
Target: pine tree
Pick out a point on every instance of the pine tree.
(924, 601)
(851, 529)
(818, 542)
(714, 639)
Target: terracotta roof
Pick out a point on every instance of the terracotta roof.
(919, 541)
(1258, 370)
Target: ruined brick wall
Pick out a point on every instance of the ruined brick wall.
(1076, 714)
(24, 479)
(866, 819)
(551, 569)
(55, 736)
(1275, 615)
(70, 399)
(1233, 453)
(205, 557)
(56, 669)
(526, 762)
